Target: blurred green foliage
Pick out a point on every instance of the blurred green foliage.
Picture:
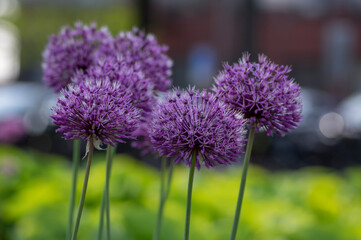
(36, 23)
(311, 203)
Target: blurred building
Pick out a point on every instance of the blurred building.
(320, 39)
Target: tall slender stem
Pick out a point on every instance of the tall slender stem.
(101, 216)
(105, 198)
(76, 157)
(107, 181)
(161, 199)
(243, 183)
(169, 180)
(103, 202)
(83, 193)
(189, 196)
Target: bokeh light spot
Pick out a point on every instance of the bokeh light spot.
(331, 125)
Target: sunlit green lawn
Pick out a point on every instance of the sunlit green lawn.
(312, 203)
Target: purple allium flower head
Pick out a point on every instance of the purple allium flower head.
(130, 78)
(262, 92)
(71, 50)
(189, 122)
(98, 109)
(143, 50)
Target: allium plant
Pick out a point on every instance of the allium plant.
(197, 127)
(143, 50)
(69, 51)
(131, 80)
(95, 110)
(263, 92)
(133, 62)
(73, 49)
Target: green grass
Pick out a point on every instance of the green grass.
(311, 203)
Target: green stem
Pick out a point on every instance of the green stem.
(105, 198)
(83, 193)
(169, 180)
(189, 197)
(243, 183)
(101, 217)
(113, 151)
(76, 157)
(107, 181)
(103, 202)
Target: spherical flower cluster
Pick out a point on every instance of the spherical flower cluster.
(130, 78)
(192, 122)
(263, 93)
(71, 50)
(143, 50)
(98, 109)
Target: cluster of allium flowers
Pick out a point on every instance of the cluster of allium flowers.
(130, 78)
(73, 49)
(192, 122)
(262, 92)
(98, 109)
(143, 50)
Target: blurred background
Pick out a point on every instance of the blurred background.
(306, 185)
